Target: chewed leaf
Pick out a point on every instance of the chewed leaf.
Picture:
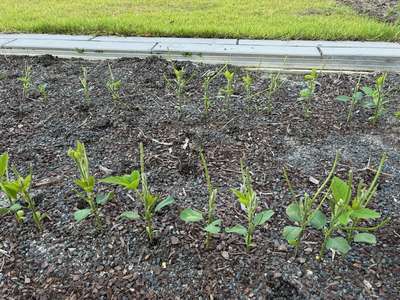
(239, 229)
(365, 237)
(339, 244)
(293, 212)
(190, 215)
(130, 215)
(318, 220)
(213, 227)
(166, 202)
(291, 233)
(262, 217)
(365, 213)
(82, 214)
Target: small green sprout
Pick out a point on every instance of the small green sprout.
(303, 212)
(347, 211)
(228, 90)
(17, 190)
(353, 100)
(208, 78)
(212, 225)
(247, 84)
(397, 115)
(113, 86)
(87, 183)
(274, 85)
(42, 88)
(376, 98)
(151, 203)
(307, 94)
(249, 202)
(85, 84)
(26, 80)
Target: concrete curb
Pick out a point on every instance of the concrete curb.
(262, 54)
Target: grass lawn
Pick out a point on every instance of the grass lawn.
(271, 19)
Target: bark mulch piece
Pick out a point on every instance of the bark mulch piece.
(71, 260)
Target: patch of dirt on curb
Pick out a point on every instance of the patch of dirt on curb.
(385, 10)
(72, 261)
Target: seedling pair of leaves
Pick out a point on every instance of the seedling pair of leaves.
(228, 90)
(307, 94)
(87, 183)
(376, 98)
(248, 200)
(304, 212)
(150, 202)
(18, 190)
(348, 211)
(212, 225)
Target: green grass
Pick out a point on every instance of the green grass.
(271, 19)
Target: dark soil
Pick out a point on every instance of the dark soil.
(385, 10)
(71, 261)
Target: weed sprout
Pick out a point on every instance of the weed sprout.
(26, 79)
(307, 94)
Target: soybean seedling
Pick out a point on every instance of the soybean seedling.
(26, 79)
(249, 202)
(208, 78)
(18, 190)
(212, 225)
(85, 84)
(13, 206)
(304, 212)
(151, 203)
(113, 86)
(347, 211)
(307, 94)
(376, 98)
(42, 88)
(274, 85)
(247, 84)
(86, 183)
(353, 100)
(228, 90)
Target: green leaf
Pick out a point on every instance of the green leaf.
(4, 211)
(239, 229)
(213, 227)
(367, 90)
(344, 217)
(166, 202)
(129, 215)
(190, 215)
(365, 237)
(291, 233)
(15, 207)
(293, 212)
(130, 181)
(102, 199)
(318, 220)
(241, 197)
(262, 217)
(11, 188)
(343, 98)
(358, 96)
(3, 164)
(339, 244)
(365, 213)
(82, 214)
(340, 189)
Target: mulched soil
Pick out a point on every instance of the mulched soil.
(72, 261)
(385, 10)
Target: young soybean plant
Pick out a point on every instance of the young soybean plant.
(87, 183)
(208, 78)
(26, 79)
(212, 225)
(274, 85)
(249, 202)
(14, 207)
(151, 203)
(247, 84)
(307, 94)
(16, 190)
(113, 86)
(354, 100)
(42, 88)
(376, 98)
(228, 90)
(304, 213)
(85, 84)
(348, 211)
